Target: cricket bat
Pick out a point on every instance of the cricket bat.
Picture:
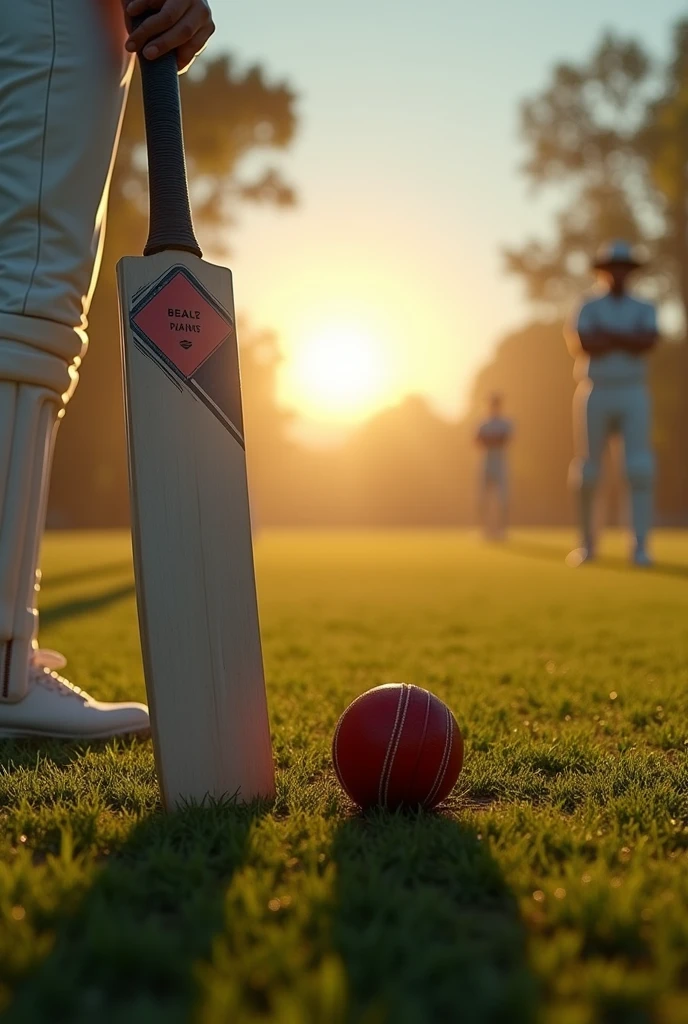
(191, 527)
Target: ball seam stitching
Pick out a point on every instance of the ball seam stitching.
(389, 745)
(446, 753)
(407, 695)
(421, 744)
(442, 765)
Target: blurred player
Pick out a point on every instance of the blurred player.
(612, 334)
(64, 76)
(493, 436)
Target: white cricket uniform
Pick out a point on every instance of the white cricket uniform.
(494, 435)
(612, 397)
(64, 78)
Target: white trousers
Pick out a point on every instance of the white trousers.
(63, 83)
(62, 93)
(493, 494)
(600, 411)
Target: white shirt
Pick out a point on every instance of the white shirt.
(490, 433)
(623, 314)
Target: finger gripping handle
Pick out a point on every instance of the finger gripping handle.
(170, 221)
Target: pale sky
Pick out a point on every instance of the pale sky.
(406, 163)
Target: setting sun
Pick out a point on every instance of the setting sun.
(338, 373)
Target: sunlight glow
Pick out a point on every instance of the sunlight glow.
(339, 373)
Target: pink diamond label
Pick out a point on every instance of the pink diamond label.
(181, 322)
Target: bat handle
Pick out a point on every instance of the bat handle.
(170, 222)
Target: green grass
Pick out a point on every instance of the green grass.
(552, 887)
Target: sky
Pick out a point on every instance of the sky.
(387, 278)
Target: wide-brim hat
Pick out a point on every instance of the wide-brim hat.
(616, 254)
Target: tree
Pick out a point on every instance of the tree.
(229, 114)
(663, 138)
(268, 448)
(612, 132)
(407, 466)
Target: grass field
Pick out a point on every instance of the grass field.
(553, 887)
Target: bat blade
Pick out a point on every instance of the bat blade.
(191, 529)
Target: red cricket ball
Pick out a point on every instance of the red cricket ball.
(397, 745)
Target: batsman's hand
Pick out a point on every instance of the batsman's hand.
(181, 25)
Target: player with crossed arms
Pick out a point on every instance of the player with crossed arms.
(64, 77)
(610, 339)
(493, 436)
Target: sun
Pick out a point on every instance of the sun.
(338, 373)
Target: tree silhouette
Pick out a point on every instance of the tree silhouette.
(612, 131)
(407, 466)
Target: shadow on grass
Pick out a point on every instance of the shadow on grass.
(85, 605)
(27, 753)
(92, 572)
(613, 562)
(129, 950)
(426, 925)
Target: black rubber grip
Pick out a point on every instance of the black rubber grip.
(170, 224)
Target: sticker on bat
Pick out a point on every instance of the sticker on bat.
(182, 324)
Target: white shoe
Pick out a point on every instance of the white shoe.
(579, 556)
(641, 558)
(55, 708)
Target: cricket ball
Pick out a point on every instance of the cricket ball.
(397, 745)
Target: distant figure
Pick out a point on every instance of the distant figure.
(493, 436)
(612, 334)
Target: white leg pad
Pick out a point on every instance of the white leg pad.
(29, 416)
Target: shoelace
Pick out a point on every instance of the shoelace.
(44, 665)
